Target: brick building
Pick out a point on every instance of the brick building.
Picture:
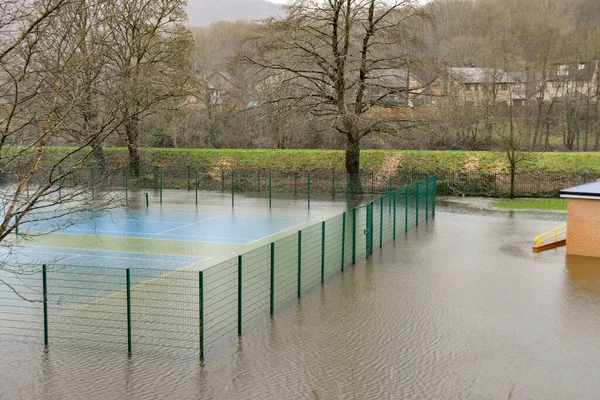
(583, 220)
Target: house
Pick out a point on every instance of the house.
(572, 80)
(583, 219)
(393, 87)
(476, 85)
(223, 91)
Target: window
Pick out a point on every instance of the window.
(581, 66)
(215, 97)
(563, 70)
(504, 86)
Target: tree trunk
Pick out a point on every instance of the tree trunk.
(513, 167)
(597, 116)
(353, 164)
(100, 159)
(537, 134)
(131, 130)
(547, 141)
(587, 117)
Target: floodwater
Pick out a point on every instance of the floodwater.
(459, 309)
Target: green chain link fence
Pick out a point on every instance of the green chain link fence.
(155, 180)
(193, 311)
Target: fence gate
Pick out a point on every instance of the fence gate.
(364, 230)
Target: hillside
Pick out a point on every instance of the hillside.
(205, 12)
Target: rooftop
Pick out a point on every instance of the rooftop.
(589, 190)
(482, 75)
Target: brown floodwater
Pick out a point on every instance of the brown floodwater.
(459, 309)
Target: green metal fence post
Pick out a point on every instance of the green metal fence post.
(308, 177)
(93, 184)
(299, 264)
(272, 296)
(395, 212)
(201, 311)
(45, 300)
(161, 184)
(353, 236)
(270, 189)
(417, 203)
(343, 240)
(372, 227)
(390, 188)
(405, 209)
(322, 252)
(295, 183)
(372, 183)
(367, 233)
(333, 183)
(427, 199)
(16, 223)
(189, 180)
(232, 188)
(128, 285)
(381, 222)
(239, 295)
(348, 191)
(60, 182)
(196, 187)
(434, 196)
(147, 202)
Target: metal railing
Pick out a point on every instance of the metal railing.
(307, 183)
(553, 235)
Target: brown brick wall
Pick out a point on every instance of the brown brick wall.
(583, 227)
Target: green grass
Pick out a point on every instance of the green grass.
(532, 204)
(388, 161)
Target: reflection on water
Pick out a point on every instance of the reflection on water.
(459, 309)
(583, 274)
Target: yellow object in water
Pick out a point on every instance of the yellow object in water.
(553, 235)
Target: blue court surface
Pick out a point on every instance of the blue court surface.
(38, 255)
(226, 227)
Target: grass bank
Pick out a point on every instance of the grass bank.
(532, 204)
(384, 161)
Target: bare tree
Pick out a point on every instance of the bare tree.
(150, 54)
(40, 55)
(339, 55)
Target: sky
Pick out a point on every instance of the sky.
(285, 1)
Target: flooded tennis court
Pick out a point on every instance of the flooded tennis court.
(459, 309)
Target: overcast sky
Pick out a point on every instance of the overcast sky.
(285, 1)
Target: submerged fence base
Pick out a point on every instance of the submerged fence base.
(191, 311)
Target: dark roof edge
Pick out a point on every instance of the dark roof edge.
(579, 194)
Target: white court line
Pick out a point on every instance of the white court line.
(150, 235)
(134, 220)
(122, 258)
(113, 251)
(185, 226)
(68, 258)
